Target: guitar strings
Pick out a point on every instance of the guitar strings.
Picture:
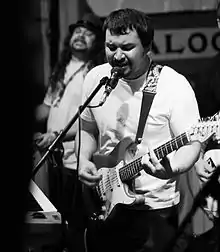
(160, 151)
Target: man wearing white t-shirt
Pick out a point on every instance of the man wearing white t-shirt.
(83, 49)
(150, 225)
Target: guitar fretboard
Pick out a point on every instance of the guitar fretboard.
(128, 171)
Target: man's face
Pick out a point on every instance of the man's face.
(126, 51)
(82, 39)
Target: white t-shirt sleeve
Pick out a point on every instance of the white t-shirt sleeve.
(88, 84)
(184, 112)
(48, 97)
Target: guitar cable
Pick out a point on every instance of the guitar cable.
(79, 147)
(77, 172)
(77, 161)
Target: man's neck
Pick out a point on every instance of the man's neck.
(80, 56)
(144, 68)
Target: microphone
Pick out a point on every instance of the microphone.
(116, 74)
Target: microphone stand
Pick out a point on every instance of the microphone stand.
(52, 148)
(63, 132)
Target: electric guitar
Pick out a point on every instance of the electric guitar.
(114, 188)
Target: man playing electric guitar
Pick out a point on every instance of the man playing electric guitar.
(150, 224)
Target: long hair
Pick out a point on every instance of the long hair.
(120, 20)
(59, 69)
(95, 58)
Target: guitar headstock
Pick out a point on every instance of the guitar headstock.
(204, 130)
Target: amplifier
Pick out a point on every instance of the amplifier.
(43, 223)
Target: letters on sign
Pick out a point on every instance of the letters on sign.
(186, 43)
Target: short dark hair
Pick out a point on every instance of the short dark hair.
(118, 21)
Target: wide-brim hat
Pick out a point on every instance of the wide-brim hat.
(89, 21)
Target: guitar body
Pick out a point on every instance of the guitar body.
(118, 170)
(102, 202)
(123, 164)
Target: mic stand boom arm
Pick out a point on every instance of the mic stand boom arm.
(63, 132)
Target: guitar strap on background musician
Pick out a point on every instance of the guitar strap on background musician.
(149, 92)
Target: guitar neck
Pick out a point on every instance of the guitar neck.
(128, 171)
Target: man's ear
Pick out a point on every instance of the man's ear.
(147, 54)
(147, 51)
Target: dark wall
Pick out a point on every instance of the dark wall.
(18, 79)
(54, 33)
(22, 77)
(202, 72)
(33, 35)
(183, 20)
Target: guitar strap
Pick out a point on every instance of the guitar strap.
(149, 92)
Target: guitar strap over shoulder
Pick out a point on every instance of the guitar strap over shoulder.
(149, 92)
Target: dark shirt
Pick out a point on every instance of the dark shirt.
(208, 90)
(212, 145)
